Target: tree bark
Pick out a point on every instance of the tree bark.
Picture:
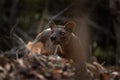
(81, 12)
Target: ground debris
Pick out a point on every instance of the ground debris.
(100, 72)
(37, 67)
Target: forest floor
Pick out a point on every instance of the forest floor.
(48, 67)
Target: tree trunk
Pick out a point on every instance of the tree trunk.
(81, 12)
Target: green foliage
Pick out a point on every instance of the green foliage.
(105, 55)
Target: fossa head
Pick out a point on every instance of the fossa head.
(61, 33)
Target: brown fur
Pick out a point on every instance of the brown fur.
(69, 42)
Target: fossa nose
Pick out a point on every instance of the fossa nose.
(53, 38)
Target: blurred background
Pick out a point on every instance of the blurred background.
(98, 24)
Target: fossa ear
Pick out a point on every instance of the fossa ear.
(52, 24)
(70, 26)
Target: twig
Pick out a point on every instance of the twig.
(13, 13)
(24, 34)
(19, 40)
(60, 13)
(44, 14)
(12, 31)
(100, 67)
(21, 43)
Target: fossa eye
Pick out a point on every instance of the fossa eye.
(62, 33)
